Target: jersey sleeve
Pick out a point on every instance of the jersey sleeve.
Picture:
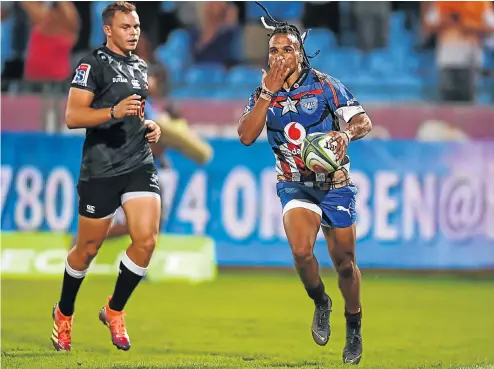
(84, 76)
(252, 101)
(341, 100)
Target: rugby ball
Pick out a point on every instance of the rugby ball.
(318, 153)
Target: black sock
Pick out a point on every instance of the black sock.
(72, 280)
(317, 294)
(354, 321)
(130, 275)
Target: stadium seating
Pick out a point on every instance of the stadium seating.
(6, 51)
(168, 6)
(399, 72)
(175, 54)
(206, 75)
(97, 36)
(280, 10)
(244, 76)
(319, 39)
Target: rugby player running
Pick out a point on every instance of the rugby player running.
(296, 100)
(107, 98)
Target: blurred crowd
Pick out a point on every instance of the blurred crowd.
(445, 47)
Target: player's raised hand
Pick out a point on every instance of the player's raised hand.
(274, 79)
(155, 131)
(129, 106)
(341, 146)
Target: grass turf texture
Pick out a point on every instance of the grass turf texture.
(256, 319)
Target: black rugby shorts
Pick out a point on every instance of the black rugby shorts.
(101, 197)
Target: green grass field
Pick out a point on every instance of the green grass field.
(256, 319)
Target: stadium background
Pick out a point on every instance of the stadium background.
(426, 196)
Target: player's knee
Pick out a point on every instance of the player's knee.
(346, 269)
(146, 242)
(88, 249)
(302, 255)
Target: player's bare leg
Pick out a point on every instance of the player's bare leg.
(301, 227)
(118, 230)
(341, 244)
(91, 234)
(143, 217)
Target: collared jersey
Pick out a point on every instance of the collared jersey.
(117, 146)
(315, 103)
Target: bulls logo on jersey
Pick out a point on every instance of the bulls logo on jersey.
(295, 133)
(309, 104)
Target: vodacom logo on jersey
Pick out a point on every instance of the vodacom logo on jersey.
(294, 134)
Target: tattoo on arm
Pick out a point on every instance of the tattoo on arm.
(359, 126)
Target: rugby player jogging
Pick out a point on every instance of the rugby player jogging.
(293, 101)
(107, 97)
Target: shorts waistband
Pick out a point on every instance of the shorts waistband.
(338, 179)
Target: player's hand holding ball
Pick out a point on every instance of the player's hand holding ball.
(274, 79)
(154, 131)
(323, 152)
(129, 106)
(341, 141)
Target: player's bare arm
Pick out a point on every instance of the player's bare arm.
(79, 114)
(358, 127)
(252, 123)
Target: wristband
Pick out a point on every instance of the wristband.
(266, 94)
(347, 136)
(112, 112)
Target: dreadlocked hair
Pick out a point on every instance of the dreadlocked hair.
(289, 29)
